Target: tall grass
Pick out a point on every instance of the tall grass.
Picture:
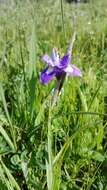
(28, 29)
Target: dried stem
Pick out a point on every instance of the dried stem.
(71, 44)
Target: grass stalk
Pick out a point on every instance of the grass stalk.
(12, 130)
(62, 17)
(50, 137)
(50, 167)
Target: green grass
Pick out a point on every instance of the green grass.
(77, 124)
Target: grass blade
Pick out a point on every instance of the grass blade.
(12, 181)
(6, 137)
(7, 114)
(32, 50)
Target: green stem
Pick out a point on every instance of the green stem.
(62, 15)
(50, 172)
(50, 137)
(12, 129)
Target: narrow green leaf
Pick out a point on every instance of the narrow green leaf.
(32, 94)
(32, 50)
(49, 174)
(5, 104)
(10, 177)
(41, 112)
(7, 114)
(6, 137)
(24, 166)
(62, 152)
(57, 162)
(83, 100)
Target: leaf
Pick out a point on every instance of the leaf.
(10, 177)
(49, 174)
(15, 159)
(32, 50)
(41, 112)
(83, 100)
(6, 137)
(8, 117)
(57, 166)
(24, 166)
(98, 156)
(5, 104)
(32, 94)
(62, 152)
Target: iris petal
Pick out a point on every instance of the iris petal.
(69, 69)
(57, 67)
(53, 55)
(47, 59)
(47, 75)
(73, 70)
(65, 61)
(76, 71)
(55, 58)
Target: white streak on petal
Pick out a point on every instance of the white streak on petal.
(68, 69)
(55, 57)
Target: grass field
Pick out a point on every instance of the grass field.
(64, 147)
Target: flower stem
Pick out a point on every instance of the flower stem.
(62, 15)
(49, 164)
(49, 147)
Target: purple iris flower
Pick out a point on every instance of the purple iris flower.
(58, 67)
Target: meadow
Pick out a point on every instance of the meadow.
(64, 147)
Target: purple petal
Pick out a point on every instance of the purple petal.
(73, 70)
(65, 60)
(69, 69)
(47, 75)
(55, 57)
(76, 71)
(47, 59)
(58, 70)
